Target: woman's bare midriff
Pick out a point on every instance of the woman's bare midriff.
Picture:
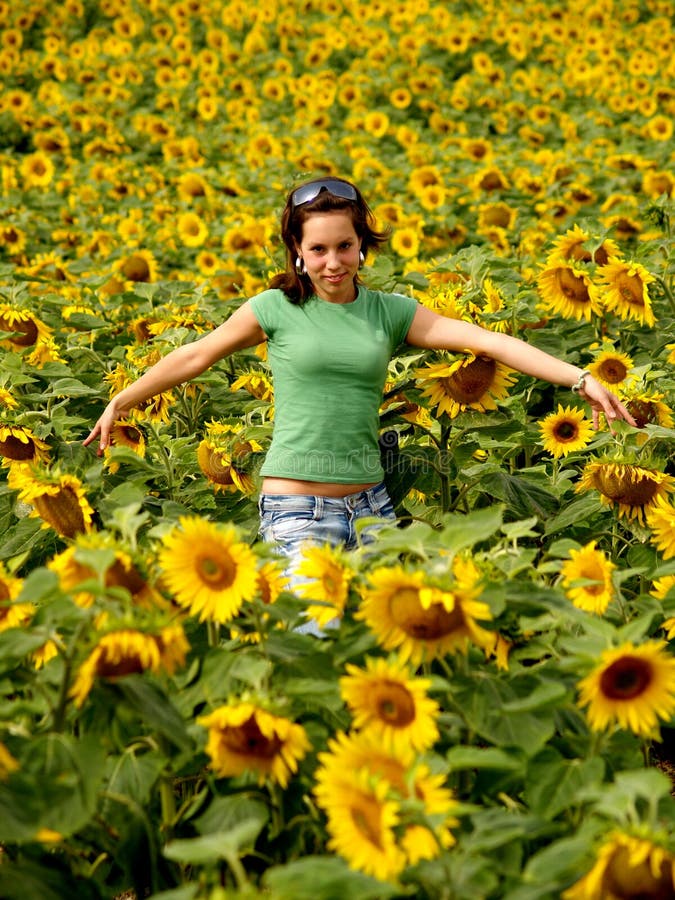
(313, 488)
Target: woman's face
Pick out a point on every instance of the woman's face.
(330, 250)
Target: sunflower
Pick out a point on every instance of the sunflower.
(19, 444)
(659, 128)
(568, 290)
(406, 242)
(192, 229)
(362, 819)
(565, 431)
(488, 179)
(579, 246)
(249, 237)
(225, 455)
(44, 654)
(611, 368)
(634, 489)
(12, 614)
(625, 290)
(661, 587)
(388, 702)
(7, 763)
(37, 170)
(374, 801)
(138, 266)
(423, 622)
(661, 521)
(328, 577)
(472, 383)
(25, 328)
(632, 687)
(121, 573)
(219, 468)
(499, 215)
(587, 579)
(421, 177)
(432, 197)
(207, 569)
(627, 866)
(7, 400)
(190, 185)
(376, 123)
(244, 738)
(272, 580)
(257, 384)
(648, 408)
(13, 239)
(59, 500)
(656, 183)
(493, 303)
(208, 263)
(128, 652)
(125, 433)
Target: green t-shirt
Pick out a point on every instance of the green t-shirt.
(329, 364)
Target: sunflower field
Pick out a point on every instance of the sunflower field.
(494, 716)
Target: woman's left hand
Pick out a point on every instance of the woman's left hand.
(603, 401)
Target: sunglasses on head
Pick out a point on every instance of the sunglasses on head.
(308, 192)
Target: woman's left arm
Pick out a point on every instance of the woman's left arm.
(436, 332)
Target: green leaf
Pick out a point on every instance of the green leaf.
(554, 783)
(28, 880)
(461, 531)
(494, 828)
(483, 704)
(315, 692)
(135, 773)
(55, 787)
(16, 644)
(523, 495)
(186, 892)
(557, 860)
(484, 758)
(71, 387)
(578, 511)
(230, 811)
(547, 693)
(22, 538)
(212, 847)
(324, 878)
(155, 709)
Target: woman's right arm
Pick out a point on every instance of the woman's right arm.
(241, 330)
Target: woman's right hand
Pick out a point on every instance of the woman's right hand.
(103, 427)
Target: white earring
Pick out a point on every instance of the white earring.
(300, 266)
(362, 258)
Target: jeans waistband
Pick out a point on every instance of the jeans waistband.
(372, 497)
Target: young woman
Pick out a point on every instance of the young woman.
(330, 340)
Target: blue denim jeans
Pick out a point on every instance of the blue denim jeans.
(292, 520)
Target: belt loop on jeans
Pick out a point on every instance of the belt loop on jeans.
(372, 501)
(318, 507)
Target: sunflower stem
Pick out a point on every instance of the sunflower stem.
(443, 472)
(64, 690)
(259, 627)
(237, 869)
(213, 633)
(166, 461)
(168, 804)
(667, 292)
